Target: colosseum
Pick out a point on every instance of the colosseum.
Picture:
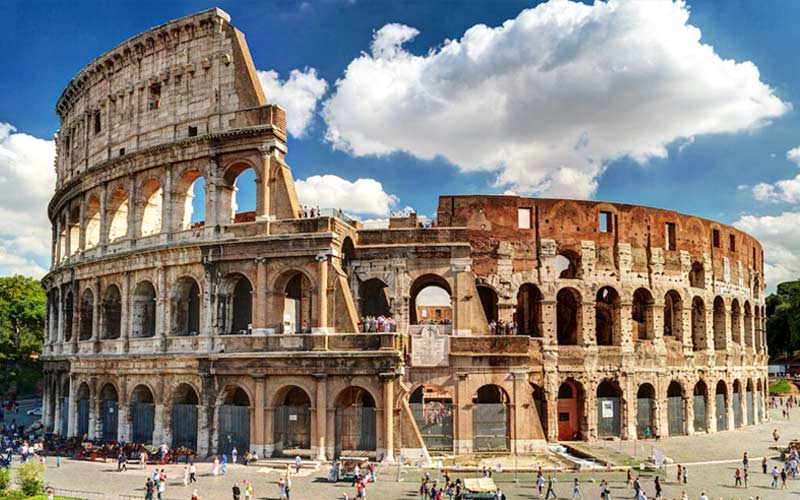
(174, 317)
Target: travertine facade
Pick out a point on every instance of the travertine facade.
(163, 328)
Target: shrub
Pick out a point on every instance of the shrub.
(5, 479)
(780, 387)
(29, 478)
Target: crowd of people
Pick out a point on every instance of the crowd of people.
(501, 327)
(377, 324)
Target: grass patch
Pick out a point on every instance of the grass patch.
(781, 387)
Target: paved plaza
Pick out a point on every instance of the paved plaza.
(711, 461)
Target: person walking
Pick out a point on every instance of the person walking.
(636, 487)
(576, 490)
(550, 488)
(764, 465)
(234, 455)
(248, 490)
(746, 477)
(149, 488)
(737, 477)
(192, 473)
(745, 462)
(775, 475)
(237, 493)
(783, 479)
(143, 459)
(657, 486)
(679, 473)
(540, 483)
(224, 464)
(685, 475)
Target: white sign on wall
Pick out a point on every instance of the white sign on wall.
(608, 409)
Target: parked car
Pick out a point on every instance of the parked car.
(36, 412)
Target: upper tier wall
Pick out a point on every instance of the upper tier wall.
(184, 78)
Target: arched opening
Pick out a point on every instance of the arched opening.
(673, 315)
(568, 316)
(186, 307)
(432, 407)
(112, 313)
(700, 405)
(757, 328)
(720, 339)
(374, 299)
(748, 403)
(348, 254)
(567, 264)
(355, 422)
(748, 325)
(676, 415)
(430, 301)
(142, 415)
(65, 410)
(108, 413)
(736, 322)
(53, 314)
(528, 313)
(697, 275)
(756, 289)
(607, 319)
(570, 411)
(490, 416)
(83, 410)
(68, 310)
(645, 411)
(189, 201)
(721, 403)
(92, 221)
(184, 417)
(293, 423)
(698, 325)
(86, 319)
(143, 321)
(759, 401)
(736, 404)
(74, 222)
(235, 311)
(488, 299)
(540, 404)
(152, 201)
(642, 314)
(241, 187)
(234, 422)
(62, 237)
(297, 304)
(118, 209)
(609, 409)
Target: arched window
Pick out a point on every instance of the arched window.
(118, 205)
(567, 264)
(673, 315)
(568, 316)
(152, 200)
(74, 221)
(297, 304)
(92, 238)
(374, 298)
(642, 314)
(646, 411)
(748, 325)
(489, 302)
(528, 314)
(607, 316)
(700, 404)
(112, 313)
(698, 325)
(736, 322)
(292, 421)
(720, 340)
(236, 305)
(189, 201)
(186, 307)
(490, 418)
(675, 409)
(240, 190)
(68, 309)
(570, 411)
(609, 409)
(697, 276)
(86, 319)
(144, 311)
(430, 300)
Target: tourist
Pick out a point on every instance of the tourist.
(192, 473)
(636, 487)
(764, 465)
(550, 489)
(143, 458)
(775, 435)
(737, 477)
(224, 464)
(237, 493)
(703, 496)
(745, 462)
(248, 490)
(194, 495)
(281, 489)
(540, 483)
(678, 475)
(162, 486)
(215, 466)
(746, 477)
(297, 464)
(783, 479)
(185, 475)
(657, 486)
(576, 490)
(775, 475)
(685, 475)
(234, 455)
(149, 487)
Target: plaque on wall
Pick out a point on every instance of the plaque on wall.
(430, 348)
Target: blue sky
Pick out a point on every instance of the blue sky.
(709, 169)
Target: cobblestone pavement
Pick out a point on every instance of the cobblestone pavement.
(712, 460)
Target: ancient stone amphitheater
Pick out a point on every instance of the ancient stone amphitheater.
(568, 320)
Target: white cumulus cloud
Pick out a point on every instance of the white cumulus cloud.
(27, 179)
(782, 191)
(298, 96)
(547, 99)
(793, 155)
(780, 241)
(359, 197)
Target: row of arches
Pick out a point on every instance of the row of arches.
(154, 209)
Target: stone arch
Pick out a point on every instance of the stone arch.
(142, 413)
(539, 397)
(568, 316)
(233, 181)
(189, 196)
(571, 397)
(348, 254)
(297, 311)
(673, 315)
(374, 298)
(700, 406)
(152, 201)
(92, 222)
(83, 397)
(86, 319)
(609, 408)
(118, 206)
(143, 320)
(567, 264)
(69, 307)
(721, 403)
(185, 401)
(490, 419)
(235, 314)
(419, 312)
(720, 338)
(74, 228)
(607, 320)
(109, 401)
(293, 417)
(642, 314)
(646, 410)
(736, 322)
(748, 324)
(676, 409)
(112, 313)
(699, 340)
(697, 275)
(488, 297)
(528, 313)
(356, 429)
(749, 398)
(234, 415)
(736, 404)
(187, 303)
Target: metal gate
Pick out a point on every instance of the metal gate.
(722, 414)
(748, 398)
(490, 427)
(644, 416)
(234, 429)
(143, 419)
(737, 410)
(109, 420)
(83, 417)
(65, 416)
(292, 428)
(700, 412)
(355, 429)
(675, 415)
(609, 421)
(184, 426)
(435, 422)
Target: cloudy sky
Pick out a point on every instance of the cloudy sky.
(689, 106)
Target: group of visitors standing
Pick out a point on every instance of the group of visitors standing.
(377, 324)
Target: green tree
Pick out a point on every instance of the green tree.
(783, 319)
(22, 312)
(29, 477)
